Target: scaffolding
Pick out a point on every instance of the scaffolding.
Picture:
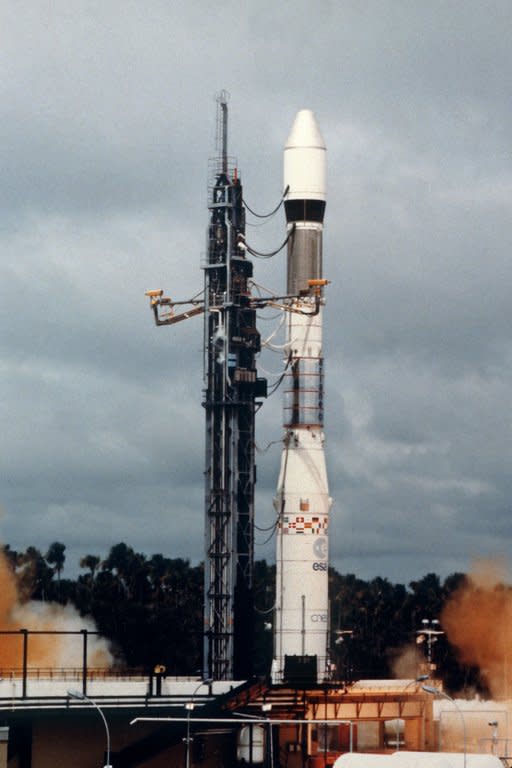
(231, 389)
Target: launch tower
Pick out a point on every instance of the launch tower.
(231, 389)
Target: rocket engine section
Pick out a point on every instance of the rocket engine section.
(302, 502)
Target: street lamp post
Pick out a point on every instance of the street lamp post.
(266, 707)
(340, 643)
(398, 721)
(494, 737)
(82, 697)
(189, 706)
(438, 692)
(429, 633)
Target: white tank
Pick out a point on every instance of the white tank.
(405, 759)
(452, 759)
(362, 760)
(251, 744)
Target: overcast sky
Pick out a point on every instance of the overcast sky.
(107, 124)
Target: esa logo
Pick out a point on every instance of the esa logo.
(320, 548)
(319, 566)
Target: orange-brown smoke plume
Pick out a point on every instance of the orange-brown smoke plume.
(478, 622)
(44, 651)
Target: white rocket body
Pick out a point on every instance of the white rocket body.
(301, 625)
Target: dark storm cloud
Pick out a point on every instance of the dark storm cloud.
(107, 124)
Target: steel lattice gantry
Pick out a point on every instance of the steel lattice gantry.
(231, 388)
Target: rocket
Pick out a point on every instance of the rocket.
(302, 502)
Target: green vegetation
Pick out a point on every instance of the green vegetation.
(151, 609)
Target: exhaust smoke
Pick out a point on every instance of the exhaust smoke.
(48, 651)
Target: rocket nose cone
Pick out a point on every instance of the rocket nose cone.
(305, 159)
(305, 131)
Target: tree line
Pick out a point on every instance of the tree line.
(151, 610)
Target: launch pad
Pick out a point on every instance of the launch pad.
(238, 723)
(299, 726)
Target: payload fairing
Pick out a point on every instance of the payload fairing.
(301, 625)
